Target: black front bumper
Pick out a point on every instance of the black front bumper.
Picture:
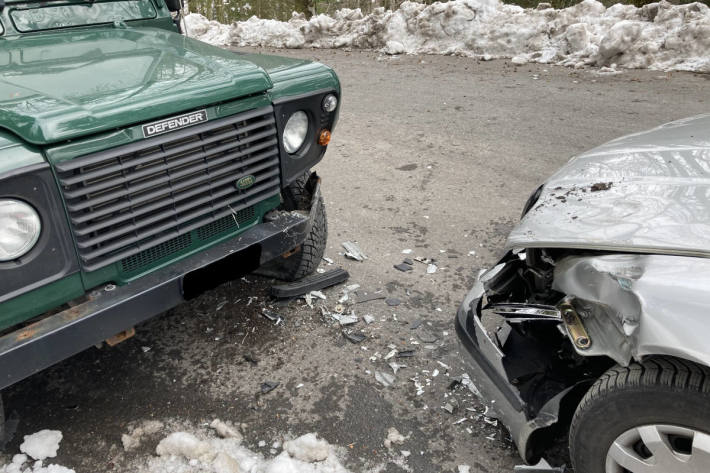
(114, 309)
(488, 374)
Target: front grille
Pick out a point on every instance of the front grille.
(129, 199)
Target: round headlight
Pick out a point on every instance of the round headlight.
(19, 228)
(330, 102)
(295, 131)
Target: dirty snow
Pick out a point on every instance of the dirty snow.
(42, 444)
(658, 36)
(200, 450)
(35, 448)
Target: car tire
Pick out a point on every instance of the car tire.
(306, 258)
(662, 398)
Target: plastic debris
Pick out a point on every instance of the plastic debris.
(396, 366)
(345, 319)
(404, 267)
(273, 316)
(328, 260)
(314, 282)
(449, 408)
(444, 365)
(407, 251)
(393, 302)
(390, 354)
(353, 251)
(354, 337)
(466, 381)
(268, 386)
(431, 268)
(368, 319)
(368, 297)
(405, 353)
(464, 469)
(317, 294)
(385, 379)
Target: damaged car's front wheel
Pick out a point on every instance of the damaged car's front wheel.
(647, 417)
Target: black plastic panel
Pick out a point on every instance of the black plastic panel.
(53, 257)
(310, 154)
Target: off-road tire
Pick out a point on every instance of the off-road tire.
(658, 391)
(297, 196)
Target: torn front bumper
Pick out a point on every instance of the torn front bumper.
(488, 373)
(112, 310)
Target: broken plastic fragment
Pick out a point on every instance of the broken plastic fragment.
(405, 354)
(353, 251)
(354, 337)
(404, 267)
(384, 379)
(273, 316)
(268, 386)
(346, 319)
(431, 268)
(368, 319)
(396, 366)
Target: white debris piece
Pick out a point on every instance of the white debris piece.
(308, 448)
(352, 250)
(464, 469)
(318, 294)
(385, 379)
(407, 251)
(42, 444)
(658, 36)
(466, 381)
(431, 268)
(368, 319)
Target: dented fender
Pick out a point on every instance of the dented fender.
(635, 305)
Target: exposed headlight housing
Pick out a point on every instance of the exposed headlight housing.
(330, 103)
(20, 228)
(295, 131)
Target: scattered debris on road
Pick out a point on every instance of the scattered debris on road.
(353, 251)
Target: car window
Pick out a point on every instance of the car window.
(47, 17)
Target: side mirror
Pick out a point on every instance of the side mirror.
(174, 5)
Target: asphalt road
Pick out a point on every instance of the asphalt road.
(434, 154)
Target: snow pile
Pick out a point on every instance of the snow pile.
(36, 448)
(183, 452)
(658, 36)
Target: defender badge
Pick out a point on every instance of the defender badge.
(174, 123)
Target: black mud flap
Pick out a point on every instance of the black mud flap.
(314, 282)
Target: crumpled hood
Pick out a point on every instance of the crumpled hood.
(647, 192)
(62, 85)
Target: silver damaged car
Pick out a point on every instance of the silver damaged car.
(596, 322)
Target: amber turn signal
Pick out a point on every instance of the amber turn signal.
(324, 138)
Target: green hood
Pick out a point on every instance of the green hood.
(58, 86)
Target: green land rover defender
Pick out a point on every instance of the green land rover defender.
(139, 167)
